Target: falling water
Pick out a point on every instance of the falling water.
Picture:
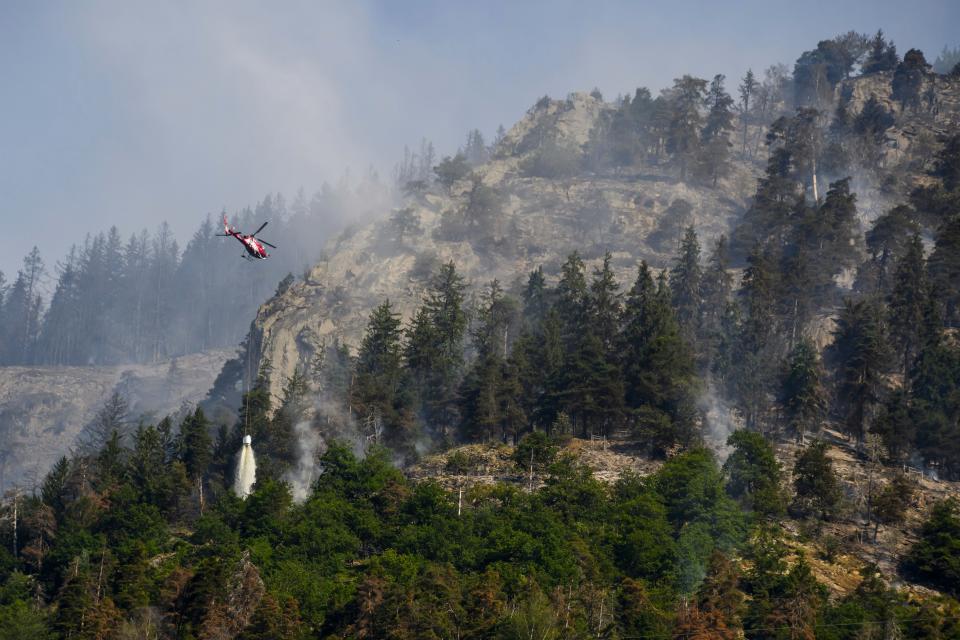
(246, 469)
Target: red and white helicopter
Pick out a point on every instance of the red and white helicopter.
(251, 243)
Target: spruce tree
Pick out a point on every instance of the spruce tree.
(195, 450)
(481, 393)
(715, 151)
(881, 57)
(658, 365)
(535, 299)
(376, 388)
(935, 395)
(886, 240)
(748, 88)
(605, 306)
(685, 286)
(908, 78)
(816, 486)
(572, 299)
(802, 396)
(756, 351)
(944, 268)
(862, 356)
(683, 133)
(434, 349)
(907, 301)
(715, 300)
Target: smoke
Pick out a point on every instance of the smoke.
(330, 420)
(719, 422)
(310, 445)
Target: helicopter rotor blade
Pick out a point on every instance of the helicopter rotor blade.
(260, 229)
(262, 241)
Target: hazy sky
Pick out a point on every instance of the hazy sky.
(128, 113)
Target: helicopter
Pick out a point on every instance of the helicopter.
(251, 243)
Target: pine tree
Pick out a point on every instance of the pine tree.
(802, 396)
(715, 136)
(895, 426)
(862, 356)
(801, 137)
(683, 134)
(196, 450)
(881, 57)
(908, 78)
(907, 301)
(756, 346)
(768, 220)
(753, 473)
(815, 483)
(886, 241)
(935, 395)
(715, 300)
(944, 268)
(748, 89)
(22, 311)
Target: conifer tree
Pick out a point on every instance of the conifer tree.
(535, 302)
(748, 89)
(572, 299)
(815, 482)
(862, 355)
(802, 396)
(483, 399)
(753, 473)
(379, 373)
(434, 349)
(196, 451)
(658, 366)
(908, 78)
(802, 138)
(715, 136)
(944, 268)
(683, 134)
(715, 302)
(886, 241)
(685, 286)
(907, 301)
(756, 348)
(605, 306)
(935, 395)
(882, 55)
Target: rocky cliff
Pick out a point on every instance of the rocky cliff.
(540, 220)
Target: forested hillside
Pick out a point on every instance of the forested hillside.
(146, 299)
(754, 299)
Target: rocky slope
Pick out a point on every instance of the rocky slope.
(42, 409)
(543, 219)
(836, 553)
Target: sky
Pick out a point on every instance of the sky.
(130, 113)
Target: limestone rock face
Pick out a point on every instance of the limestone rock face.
(541, 220)
(909, 143)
